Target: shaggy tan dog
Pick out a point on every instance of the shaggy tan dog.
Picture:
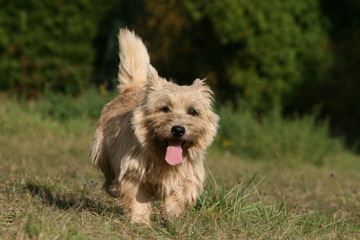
(151, 140)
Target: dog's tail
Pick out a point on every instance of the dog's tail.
(134, 61)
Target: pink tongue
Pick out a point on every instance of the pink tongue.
(174, 152)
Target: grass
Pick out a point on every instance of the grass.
(50, 190)
(294, 139)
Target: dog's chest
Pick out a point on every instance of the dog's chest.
(162, 182)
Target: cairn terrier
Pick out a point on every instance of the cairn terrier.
(150, 141)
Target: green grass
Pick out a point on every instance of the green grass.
(293, 139)
(50, 190)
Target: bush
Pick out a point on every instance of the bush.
(265, 46)
(47, 43)
(298, 139)
(66, 107)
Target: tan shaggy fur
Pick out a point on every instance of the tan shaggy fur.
(130, 142)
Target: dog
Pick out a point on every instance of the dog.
(150, 141)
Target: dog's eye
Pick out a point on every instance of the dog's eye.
(193, 112)
(165, 109)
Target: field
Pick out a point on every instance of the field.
(50, 190)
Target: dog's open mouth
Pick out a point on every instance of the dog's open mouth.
(174, 151)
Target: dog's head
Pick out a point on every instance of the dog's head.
(175, 120)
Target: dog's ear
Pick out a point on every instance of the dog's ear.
(154, 82)
(200, 86)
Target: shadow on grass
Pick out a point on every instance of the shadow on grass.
(69, 201)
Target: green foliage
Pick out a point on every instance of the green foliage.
(241, 131)
(66, 107)
(338, 91)
(296, 54)
(267, 45)
(47, 43)
(298, 139)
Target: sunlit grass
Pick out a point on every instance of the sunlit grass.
(50, 190)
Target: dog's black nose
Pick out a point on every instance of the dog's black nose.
(177, 131)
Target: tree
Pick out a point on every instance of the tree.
(271, 47)
(47, 43)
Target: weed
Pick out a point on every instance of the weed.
(296, 140)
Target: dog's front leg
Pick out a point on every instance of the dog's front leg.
(182, 199)
(136, 202)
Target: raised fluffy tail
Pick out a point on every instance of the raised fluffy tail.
(134, 61)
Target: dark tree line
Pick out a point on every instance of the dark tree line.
(293, 54)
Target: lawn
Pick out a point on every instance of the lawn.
(50, 190)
